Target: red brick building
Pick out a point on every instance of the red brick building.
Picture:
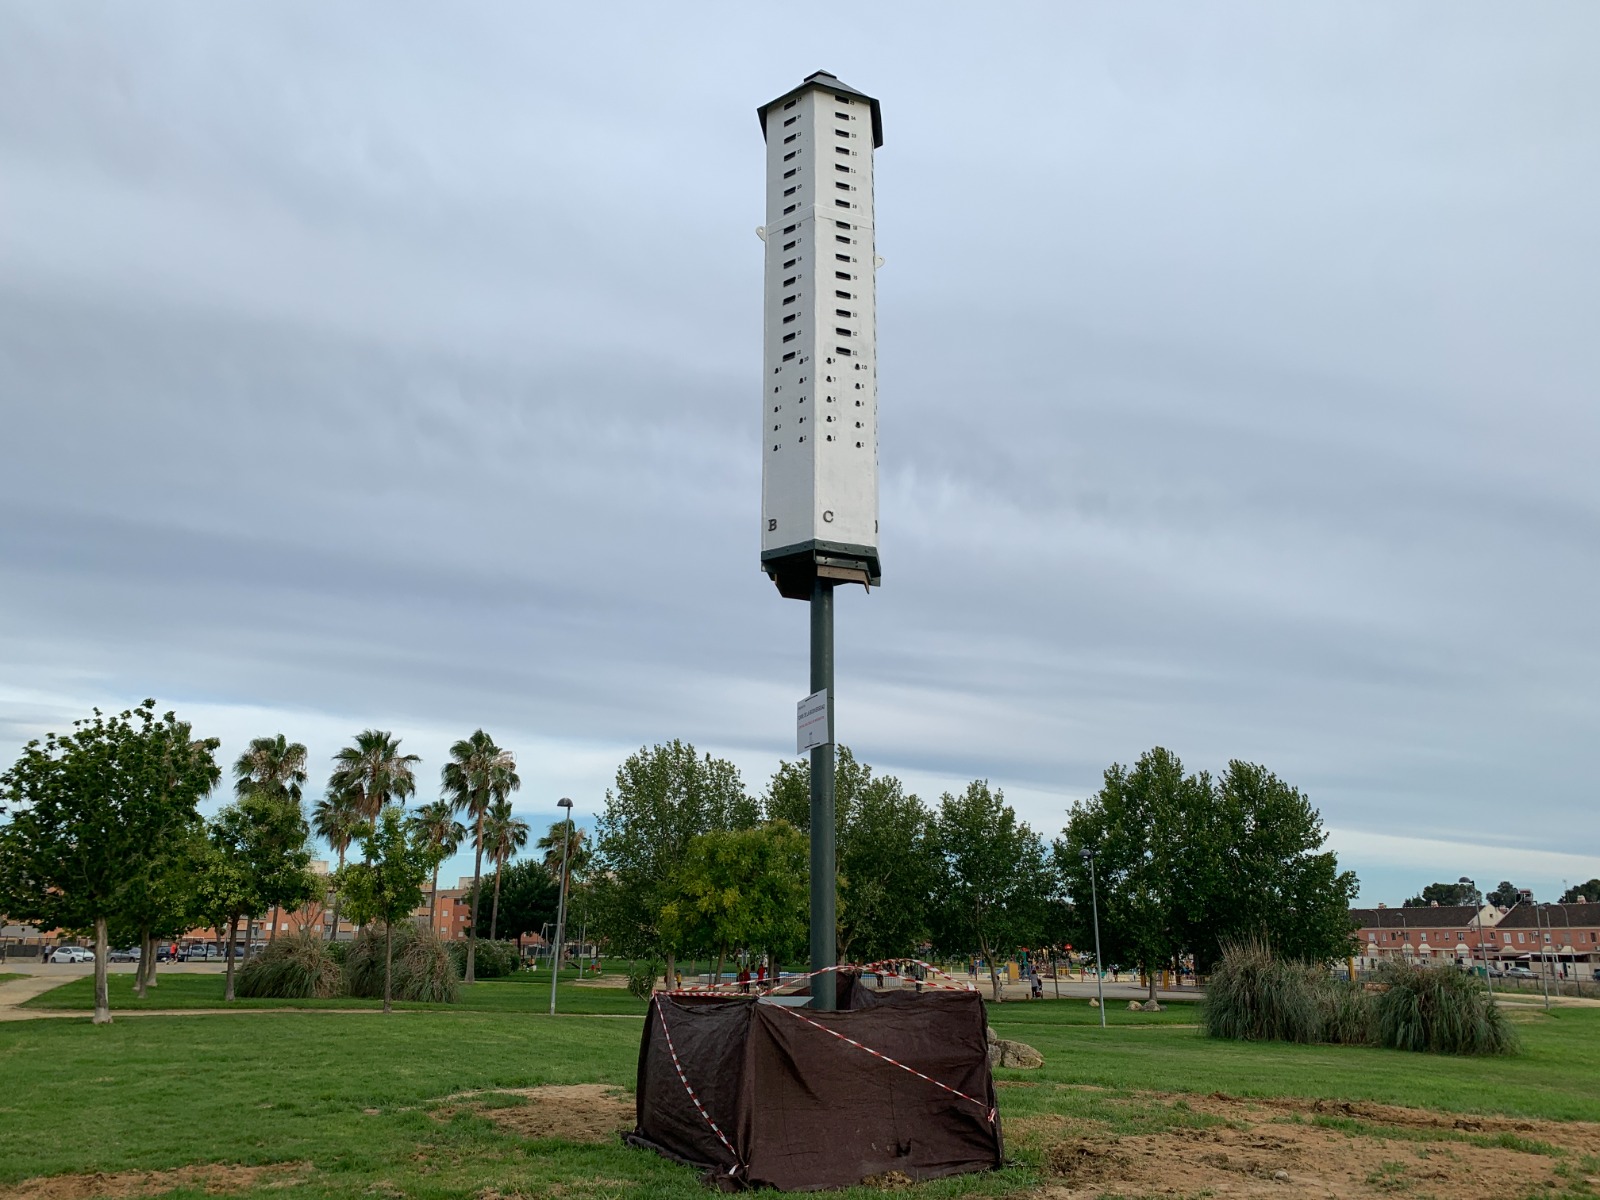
(1563, 938)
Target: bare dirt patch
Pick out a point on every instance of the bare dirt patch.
(1307, 1148)
(583, 1112)
(216, 1179)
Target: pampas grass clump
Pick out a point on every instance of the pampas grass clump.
(1440, 1010)
(298, 967)
(422, 968)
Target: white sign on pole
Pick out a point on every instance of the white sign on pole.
(811, 727)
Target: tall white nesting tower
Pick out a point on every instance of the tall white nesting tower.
(819, 401)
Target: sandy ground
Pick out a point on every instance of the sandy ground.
(583, 1112)
(215, 1179)
(1312, 1148)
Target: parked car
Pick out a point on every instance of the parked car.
(132, 954)
(1520, 973)
(203, 952)
(72, 954)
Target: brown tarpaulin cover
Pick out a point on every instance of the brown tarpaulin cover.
(803, 1110)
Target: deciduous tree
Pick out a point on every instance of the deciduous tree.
(740, 888)
(992, 877)
(387, 884)
(665, 796)
(1444, 894)
(95, 815)
(885, 864)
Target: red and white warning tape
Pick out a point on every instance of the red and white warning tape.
(684, 1079)
(988, 1109)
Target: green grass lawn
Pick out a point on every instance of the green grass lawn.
(519, 993)
(1555, 1077)
(6, 976)
(359, 1096)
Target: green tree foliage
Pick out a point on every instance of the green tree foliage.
(1505, 896)
(335, 820)
(665, 796)
(528, 897)
(273, 769)
(885, 864)
(576, 850)
(1258, 869)
(96, 816)
(740, 888)
(225, 890)
(387, 884)
(1444, 894)
(436, 825)
(1589, 891)
(991, 877)
(1146, 830)
(373, 773)
(1186, 863)
(478, 774)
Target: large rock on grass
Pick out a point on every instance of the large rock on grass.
(1016, 1055)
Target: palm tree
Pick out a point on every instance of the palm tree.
(335, 820)
(576, 855)
(374, 772)
(478, 773)
(274, 769)
(437, 827)
(504, 835)
(271, 767)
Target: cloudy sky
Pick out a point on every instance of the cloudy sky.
(378, 365)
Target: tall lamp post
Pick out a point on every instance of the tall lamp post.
(1489, 983)
(1099, 966)
(561, 908)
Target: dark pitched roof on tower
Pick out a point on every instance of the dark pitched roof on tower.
(830, 83)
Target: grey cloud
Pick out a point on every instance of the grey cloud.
(1236, 389)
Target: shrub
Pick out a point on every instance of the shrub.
(291, 968)
(422, 967)
(339, 952)
(1346, 1011)
(1254, 996)
(1441, 1010)
(492, 960)
(642, 978)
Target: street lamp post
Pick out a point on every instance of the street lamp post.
(1099, 966)
(1489, 983)
(1544, 958)
(561, 908)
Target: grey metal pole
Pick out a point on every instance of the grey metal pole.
(824, 934)
(1099, 965)
(561, 909)
(1544, 959)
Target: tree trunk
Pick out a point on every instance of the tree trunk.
(271, 937)
(102, 996)
(477, 886)
(1154, 978)
(140, 968)
(494, 909)
(722, 957)
(433, 903)
(388, 965)
(233, 936)
(672, 971)
(994, 973)
(334, 936)
(149, 953)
